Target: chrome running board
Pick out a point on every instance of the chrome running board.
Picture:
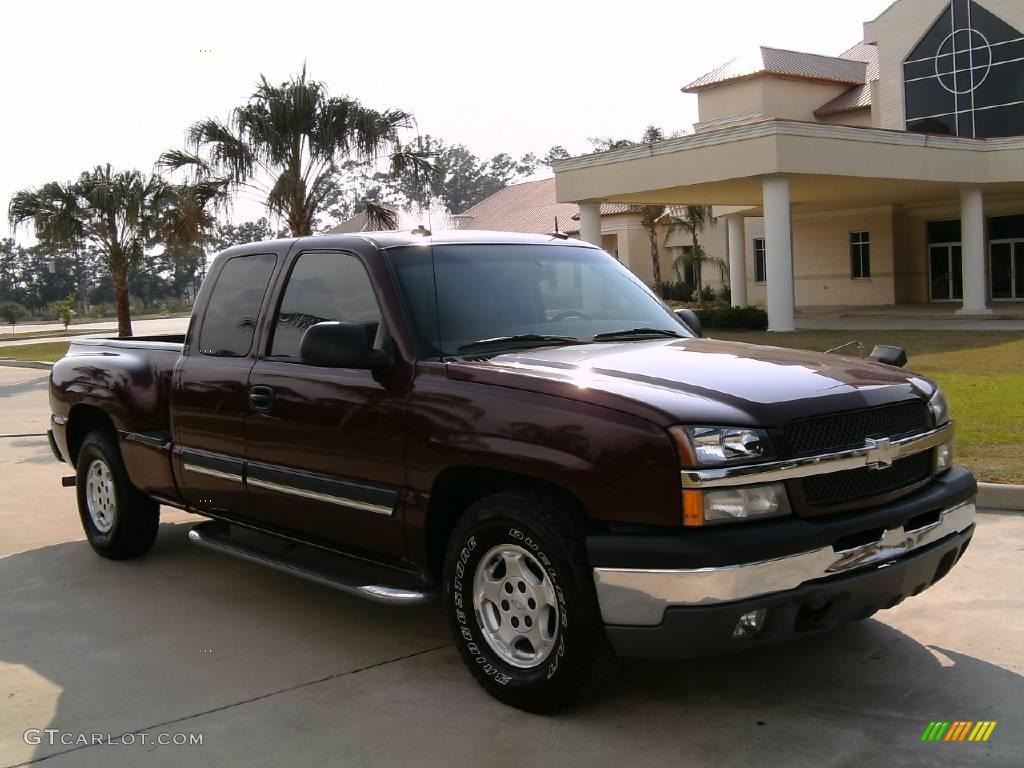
(356, 577)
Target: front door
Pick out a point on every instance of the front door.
(945, 271)
(325, 449)
(1007, 269)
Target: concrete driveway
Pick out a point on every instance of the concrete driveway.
(272, 671)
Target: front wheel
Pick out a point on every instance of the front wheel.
(120, 522)
(520, 599)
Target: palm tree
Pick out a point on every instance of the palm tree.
(118, 213)
(287, 144)
(649, 215)
(693, 219)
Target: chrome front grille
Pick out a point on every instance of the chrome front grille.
(852, 429)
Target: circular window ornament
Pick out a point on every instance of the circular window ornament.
(964, 80)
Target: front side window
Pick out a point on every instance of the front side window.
(462, 294)
(234, 305)
(760, 261)
(860, 255)
(324, 285)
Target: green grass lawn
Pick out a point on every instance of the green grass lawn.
(19, 335)
(982, 373)
(49, 352)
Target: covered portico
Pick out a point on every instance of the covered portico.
(780, 169)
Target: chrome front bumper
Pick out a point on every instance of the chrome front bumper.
(639, 597)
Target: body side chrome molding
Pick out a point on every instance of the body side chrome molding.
(223, 469)
(877, 454)
(639, 597)
(213, 473)
(316, 496)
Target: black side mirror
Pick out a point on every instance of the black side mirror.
(889, 355)
(690, 319)
(340, 345)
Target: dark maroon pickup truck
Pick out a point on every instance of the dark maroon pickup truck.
(516, 424)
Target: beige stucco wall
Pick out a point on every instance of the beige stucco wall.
(756, 292)
(633, 246)
(762, 97)
(732, 104)
(797, 99)
(821, 259)
(898, 30)
(910, 243)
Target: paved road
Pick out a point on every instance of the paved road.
(139, 327)
(274, 671)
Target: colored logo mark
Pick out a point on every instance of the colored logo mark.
(958, 730)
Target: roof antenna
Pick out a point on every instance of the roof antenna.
(556, 226)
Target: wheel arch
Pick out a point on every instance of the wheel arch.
(83, 419)
(458, 487)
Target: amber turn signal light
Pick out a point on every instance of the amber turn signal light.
(693, 507)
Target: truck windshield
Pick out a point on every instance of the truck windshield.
(478, 297)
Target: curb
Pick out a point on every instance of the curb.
(1005, 498)
(9, 363)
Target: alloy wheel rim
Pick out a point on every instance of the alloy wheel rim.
(516, 606)
(99, 495)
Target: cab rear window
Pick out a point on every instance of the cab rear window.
(234, 305)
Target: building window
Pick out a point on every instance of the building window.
(964, 76)
(760, 261)
(860, 255)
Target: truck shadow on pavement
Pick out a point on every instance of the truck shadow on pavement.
(89, 645)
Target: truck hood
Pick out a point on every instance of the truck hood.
(700, 381)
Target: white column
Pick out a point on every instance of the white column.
(972, 237)
(590, 223)
(737, 261)
(778, 243)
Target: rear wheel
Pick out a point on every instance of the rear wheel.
(520, 599)
(119, 521)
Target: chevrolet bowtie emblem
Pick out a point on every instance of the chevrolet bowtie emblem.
(881, 453)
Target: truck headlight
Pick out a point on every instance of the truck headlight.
(750, 502)
(939, 407)
(721, 445)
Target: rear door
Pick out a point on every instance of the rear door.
(325, 447)
(210, 391)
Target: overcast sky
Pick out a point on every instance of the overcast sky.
(88, 83)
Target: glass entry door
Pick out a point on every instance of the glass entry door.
(945, 270)
(1007, 264)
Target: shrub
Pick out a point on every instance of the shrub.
(733, 318)
(64, 310)
(725, 295)
(707, 294)
(12, 312)
(677, 291)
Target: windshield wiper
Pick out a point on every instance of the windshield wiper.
(537, 338)
(630, 333)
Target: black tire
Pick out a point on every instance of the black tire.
(133, 518)
(581, 657)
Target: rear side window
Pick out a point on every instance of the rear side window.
(234, 305)
(324, 285)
